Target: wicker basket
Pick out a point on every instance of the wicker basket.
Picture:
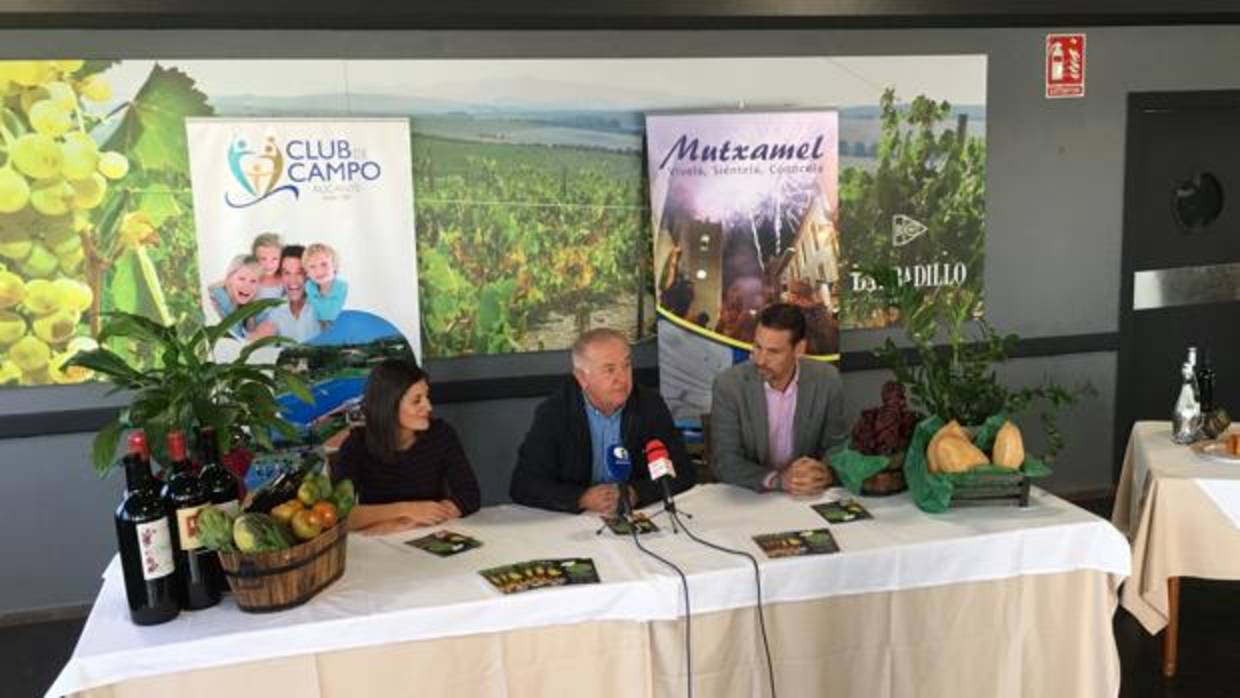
(274, 581)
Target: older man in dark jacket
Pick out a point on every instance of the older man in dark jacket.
(562, 464)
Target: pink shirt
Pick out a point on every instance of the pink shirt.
(781, 409)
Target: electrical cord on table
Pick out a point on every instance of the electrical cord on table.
(766, 645)
(684, 581)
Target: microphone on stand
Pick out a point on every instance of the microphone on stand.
(661, 471)
(619, 468)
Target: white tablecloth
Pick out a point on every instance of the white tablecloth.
(1225, 494)
(392, 593)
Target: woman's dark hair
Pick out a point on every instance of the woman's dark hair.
(389, 381)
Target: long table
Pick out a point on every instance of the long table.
(985, 600)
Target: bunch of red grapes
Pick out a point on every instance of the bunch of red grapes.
(882, 431)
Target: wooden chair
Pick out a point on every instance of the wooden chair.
(704, 472)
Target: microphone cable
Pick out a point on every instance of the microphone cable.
(757, 574)
(684, 582)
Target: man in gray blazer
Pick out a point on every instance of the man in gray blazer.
(774, 418)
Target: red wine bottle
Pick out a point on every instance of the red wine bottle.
(185, 497)
(144, 539)
(222, 486)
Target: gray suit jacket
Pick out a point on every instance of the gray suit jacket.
(738, 426)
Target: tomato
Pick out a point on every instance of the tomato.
(326, 512)
(285, 511)
(307, 524)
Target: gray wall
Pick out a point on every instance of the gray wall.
(1053, 241)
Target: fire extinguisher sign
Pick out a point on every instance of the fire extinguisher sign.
(1065, 65)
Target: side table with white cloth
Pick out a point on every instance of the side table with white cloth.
(1181, 511)
(981, 601)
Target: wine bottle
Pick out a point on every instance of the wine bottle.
(1205, 383)
(222, 486)
(144, 539)
(185, 497)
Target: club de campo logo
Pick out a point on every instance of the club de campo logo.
(258, 172)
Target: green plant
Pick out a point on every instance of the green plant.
(957, 380)
(187, 389)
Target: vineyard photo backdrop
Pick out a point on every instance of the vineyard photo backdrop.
(530, 195)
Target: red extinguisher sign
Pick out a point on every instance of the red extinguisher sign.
(1065, 65)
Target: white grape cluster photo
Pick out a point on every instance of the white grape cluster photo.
(52, 176)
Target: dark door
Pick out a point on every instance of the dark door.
(1181, 251)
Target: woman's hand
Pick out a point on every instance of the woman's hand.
(390, 526)
(454, 512)
(429, 513)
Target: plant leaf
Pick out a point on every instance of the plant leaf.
(274, 340)
(103, 449)
(122, 323)
(93, 66)
(152, 129)
(160, 205)
(106, 363)
(295, 385)
(135, 287)
(237, 317)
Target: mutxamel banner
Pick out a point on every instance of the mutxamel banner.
(745, 213)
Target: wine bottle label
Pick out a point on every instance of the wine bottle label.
(155, 547)
(187, 527)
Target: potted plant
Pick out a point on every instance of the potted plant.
(957, 382)
(187, 388)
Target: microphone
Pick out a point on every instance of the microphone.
(661, 470)
(619, 468)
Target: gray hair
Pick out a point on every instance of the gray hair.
(242, 260)
(592, 337)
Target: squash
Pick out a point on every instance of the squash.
(952, 428)
(956, 454)
(1009, 450)
(258, 533)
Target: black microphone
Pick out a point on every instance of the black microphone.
(619, 468)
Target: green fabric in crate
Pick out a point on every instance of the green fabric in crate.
(854, 467)
(932, 492)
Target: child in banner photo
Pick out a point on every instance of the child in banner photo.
(240, 286)
(266, 249)
(327, 291)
